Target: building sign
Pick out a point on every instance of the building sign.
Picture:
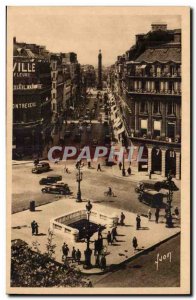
(24, 105)
(23, 69)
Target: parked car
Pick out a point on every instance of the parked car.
(67, 134)
(50, 179)
(165, 185)
(62, 189)
(86, 117)
(41, 167)
(151, 197)
(148, 184)
(155, 185)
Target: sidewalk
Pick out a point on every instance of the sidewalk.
(149, 235)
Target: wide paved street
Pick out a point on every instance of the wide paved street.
(26, 187)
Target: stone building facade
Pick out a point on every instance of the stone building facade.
(146, 83)
(31, 99)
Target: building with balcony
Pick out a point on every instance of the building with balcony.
(31, 99)
(146, 84)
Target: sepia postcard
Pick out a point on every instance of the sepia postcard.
(98, 150)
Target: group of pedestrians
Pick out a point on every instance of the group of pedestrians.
(157, 214)
(34, 228)
(128, 169)
(176, 213)
(111, 236)
(75, 254)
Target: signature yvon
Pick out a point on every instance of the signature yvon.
(161, 258)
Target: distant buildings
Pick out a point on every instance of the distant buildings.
(89, 73)
(45, 87)
(146, 83)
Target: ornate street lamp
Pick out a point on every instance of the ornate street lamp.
(169, 222)
(79, 179)
(88, 251)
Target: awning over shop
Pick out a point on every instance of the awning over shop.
(113, 117)
(118, 124)
(122, 129)
(114, 108)
(117, 120)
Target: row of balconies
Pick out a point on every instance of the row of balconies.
(162, 74)
(144, 91)
(149, 136)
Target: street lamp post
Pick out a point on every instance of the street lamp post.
(123, 162)
(79, 179)
(169, 222)
(88, 251)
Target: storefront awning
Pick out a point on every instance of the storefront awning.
(117, 120)
(121, 130)
(114, 108)
(118, 124)
(112, 117)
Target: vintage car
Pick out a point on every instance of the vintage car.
(50, 179)
(148, 184)
(155, 185)
(62, 189)
(152, 198)
(165, 185)
(41, 167)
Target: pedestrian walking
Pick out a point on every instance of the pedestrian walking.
(109, 238)
(73, 254)
(176, 211)
(114, 234)
(150, 174)
(129, 171)
(157, 215)
(89, 206)
(33, 227)
(122, 219)
(36, 228)
(78, 256)
(120, 165)
(149, 214)
(138, 222)
(102, 262)
(134, 242)
(65, 251)
(99, 167)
